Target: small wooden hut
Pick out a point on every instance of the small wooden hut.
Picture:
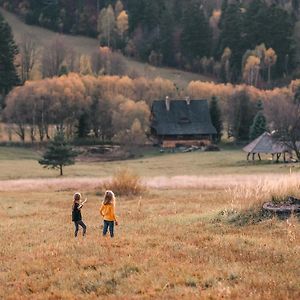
(267, 144)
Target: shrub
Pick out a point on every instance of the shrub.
(125, 182)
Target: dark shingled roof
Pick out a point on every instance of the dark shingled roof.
(182, 118)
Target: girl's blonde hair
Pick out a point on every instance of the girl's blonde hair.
(77, 196)
(109, 198)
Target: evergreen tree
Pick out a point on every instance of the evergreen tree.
(254, 24)
(241, 115)
(216, 117)
(83, 127)
(196, 35)
(232, 37)
(58, 154)
(272, 26)
(8, 50)
(295, 5)
(166, 37)
(223, 12)
(259, 125)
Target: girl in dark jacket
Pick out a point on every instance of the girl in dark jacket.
(76, 213)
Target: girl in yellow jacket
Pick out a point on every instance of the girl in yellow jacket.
(107, 211)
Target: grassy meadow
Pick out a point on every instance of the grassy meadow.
(181, 239)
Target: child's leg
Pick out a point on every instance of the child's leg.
(83, 227)
(76, 228)
(105, 227)
(111, 228)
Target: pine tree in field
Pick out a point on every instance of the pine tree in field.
(259, 125)
(58, 154)
(8, 50)
(216, 117)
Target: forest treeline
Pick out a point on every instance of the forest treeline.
(213, 37)
(249, 43)
(118, 109)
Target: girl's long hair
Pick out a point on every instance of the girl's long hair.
(76, 197)
(109, 198)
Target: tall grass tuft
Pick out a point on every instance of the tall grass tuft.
(247, 199)
(126, 183)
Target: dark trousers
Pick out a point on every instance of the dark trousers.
(77, 223)
(110, 225)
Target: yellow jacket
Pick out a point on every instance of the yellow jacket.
(107, 211)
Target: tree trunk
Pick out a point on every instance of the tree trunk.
(61, 170)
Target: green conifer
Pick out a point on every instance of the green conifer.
(8, 50)
(58, 154)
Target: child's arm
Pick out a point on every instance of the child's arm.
(80, 206)
(101, 210)
(114, 215)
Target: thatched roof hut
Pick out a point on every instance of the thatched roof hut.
(267, 144)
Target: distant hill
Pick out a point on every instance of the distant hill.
(86, 45)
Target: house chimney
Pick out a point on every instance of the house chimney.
(168, 103)
(188, 100)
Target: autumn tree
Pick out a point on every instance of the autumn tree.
(106, 26)
(85, 65)
(106, 62)
(119, 7)
(53, 57)
(270, 60)
(28, 56)
(225, 65)
(122, 23)
(284, 117)
(251, 70)
(58, 153)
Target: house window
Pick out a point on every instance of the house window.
(184, 120)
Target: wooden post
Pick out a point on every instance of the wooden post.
(284, 158)
(253, 156)
(259, 156)
(248, 156)
(278, 156)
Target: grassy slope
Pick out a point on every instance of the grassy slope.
(85, 45)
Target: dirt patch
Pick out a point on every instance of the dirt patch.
(102, 153)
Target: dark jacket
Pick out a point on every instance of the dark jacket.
(76, 213)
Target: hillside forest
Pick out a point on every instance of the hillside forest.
(248, 47)
(214, 37)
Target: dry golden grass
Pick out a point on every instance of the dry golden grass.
(173, 242)
(167, 246)
(125, 182)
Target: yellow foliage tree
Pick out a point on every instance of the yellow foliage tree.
(122, 23)
(270, 60)
(251, 70)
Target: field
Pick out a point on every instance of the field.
(86, 46)
(179, 240)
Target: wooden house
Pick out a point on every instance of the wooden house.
(181, 122)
